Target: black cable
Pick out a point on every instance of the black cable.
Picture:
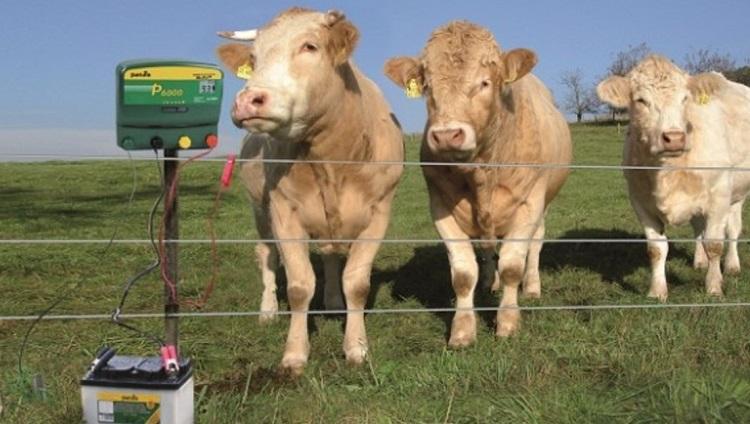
(77, 285)
(144, 272)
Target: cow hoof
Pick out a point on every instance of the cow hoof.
(715, 292)
(506, 330)
(732, 269)
(508, 323)
(532, 294)
(293, 365)
(356, 355)
(661, 296)
(461, 340)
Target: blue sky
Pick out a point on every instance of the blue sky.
(58, 58)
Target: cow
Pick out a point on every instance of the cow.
(485, 108)
(305, 100)
(680, 121)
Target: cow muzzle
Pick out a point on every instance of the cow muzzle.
(452, 138)
(252, 108)
(673, 143)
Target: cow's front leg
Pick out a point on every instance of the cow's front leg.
(464, 274)
(734, 229)
(657, 249)
(356, 284)
(300, 285)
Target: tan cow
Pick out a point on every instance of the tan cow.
(484, 107)
(306, 100)
(678, 120)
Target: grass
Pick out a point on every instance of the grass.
(687, 365)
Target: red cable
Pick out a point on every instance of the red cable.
(168, 203)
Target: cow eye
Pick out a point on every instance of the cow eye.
(642, 101)
(309, 47)
(485, 84)
(684, 99)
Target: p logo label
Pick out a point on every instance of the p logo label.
(156, 89)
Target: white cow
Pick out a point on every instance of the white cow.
(678, 120)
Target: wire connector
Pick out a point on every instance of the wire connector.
(226, 175)
(169, 359)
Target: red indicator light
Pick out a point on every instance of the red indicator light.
(212, 140)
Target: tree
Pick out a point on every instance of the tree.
(625, 61)
(740, 75)
(579, 99)
(705, 60)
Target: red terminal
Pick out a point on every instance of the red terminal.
(226, 176)
(212, 140)
(169, 359)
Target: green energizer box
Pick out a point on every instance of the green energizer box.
(167, 104)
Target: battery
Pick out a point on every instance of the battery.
(137, 390)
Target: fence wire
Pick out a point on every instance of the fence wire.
(377, 311)
(221, 314)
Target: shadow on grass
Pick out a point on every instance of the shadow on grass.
(84, 208)
(612, 261)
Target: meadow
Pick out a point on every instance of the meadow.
(565, 366)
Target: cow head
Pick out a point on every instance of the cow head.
(461, 72)
(660, 98)
(293, 70)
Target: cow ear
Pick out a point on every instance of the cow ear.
(615, 91)
(705, 84)
(515, 64)
(234, 55)
(403, 69)
(343, 37)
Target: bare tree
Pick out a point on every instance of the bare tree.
(627, 59)
(624, 61)
(705, 60)
(579, 99)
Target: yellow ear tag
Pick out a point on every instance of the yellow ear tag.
(703, 99)
(413, 90)
(245, 71)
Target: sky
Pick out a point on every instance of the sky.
(57, 84)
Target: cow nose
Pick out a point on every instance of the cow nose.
(250, 103)
(674, 141)
(451, 138)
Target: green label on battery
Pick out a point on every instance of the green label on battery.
(180, 92)
(119, 408)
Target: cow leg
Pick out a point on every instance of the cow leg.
(333, 297)
(657, 248)
(734, 228)
(356, 284)
(700, 260)
(464, 273)
(714, 246)
(532, 286)
(300, 285)
(511, 266)
(268, 260)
